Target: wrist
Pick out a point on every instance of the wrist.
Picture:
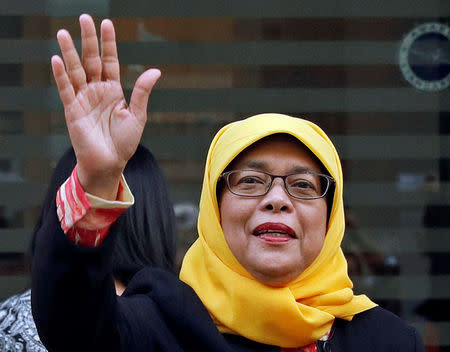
(103, 185)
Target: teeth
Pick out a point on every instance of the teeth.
(275, 233)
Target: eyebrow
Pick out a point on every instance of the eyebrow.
(263, 166)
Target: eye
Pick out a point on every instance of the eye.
(301, 184)
(251, 179)
(246, 179)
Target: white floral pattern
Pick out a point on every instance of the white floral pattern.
(17, 329)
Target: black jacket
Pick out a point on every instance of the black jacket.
(76, 309)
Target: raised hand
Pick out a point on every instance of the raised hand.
(104, 130)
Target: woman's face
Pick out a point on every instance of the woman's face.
(275, 237)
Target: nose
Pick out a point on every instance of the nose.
(277, 199)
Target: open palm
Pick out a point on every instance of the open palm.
(104, 130)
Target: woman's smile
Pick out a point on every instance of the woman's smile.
(274, 232)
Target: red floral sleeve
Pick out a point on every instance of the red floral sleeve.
(85, 218)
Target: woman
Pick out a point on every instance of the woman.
(266, 273)
(144, 236)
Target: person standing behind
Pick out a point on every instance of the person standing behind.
(145, 235)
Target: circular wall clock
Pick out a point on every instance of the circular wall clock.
(424, 56)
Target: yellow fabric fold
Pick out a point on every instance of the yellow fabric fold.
(302, 311)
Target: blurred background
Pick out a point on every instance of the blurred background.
(374, 75)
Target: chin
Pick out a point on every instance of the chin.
(277, 282)
(275, 277)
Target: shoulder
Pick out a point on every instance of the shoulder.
(177, 312)
(379, 318)
(165, 291)
(158, 283)
(379, 330)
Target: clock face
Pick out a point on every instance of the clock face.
(424, 57)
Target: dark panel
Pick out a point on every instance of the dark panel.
(11, 74)
(254, 100)
(15, 240)
(281, 8)
(391, 215)
(13, 284)
(395, 240)
(10, 26)
(232, 8)
(194, 146)
(407, 287)
(236, 53)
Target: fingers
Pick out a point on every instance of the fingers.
(72, 60)
(90, 53)
(65, 88)
(141, 93)
(110, 61)
(92, 68)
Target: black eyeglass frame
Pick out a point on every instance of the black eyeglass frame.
(330, 181)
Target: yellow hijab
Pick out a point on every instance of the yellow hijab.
(302, 311)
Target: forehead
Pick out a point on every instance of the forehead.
(276, 152)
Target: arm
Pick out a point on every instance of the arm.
(73, 297)
(74, 302)
(75, 307)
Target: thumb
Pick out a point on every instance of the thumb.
(141, 92)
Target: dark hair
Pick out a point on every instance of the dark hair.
(145, 233)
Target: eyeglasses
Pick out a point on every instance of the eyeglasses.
(305, 185)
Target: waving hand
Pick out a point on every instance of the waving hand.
(104, 130)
